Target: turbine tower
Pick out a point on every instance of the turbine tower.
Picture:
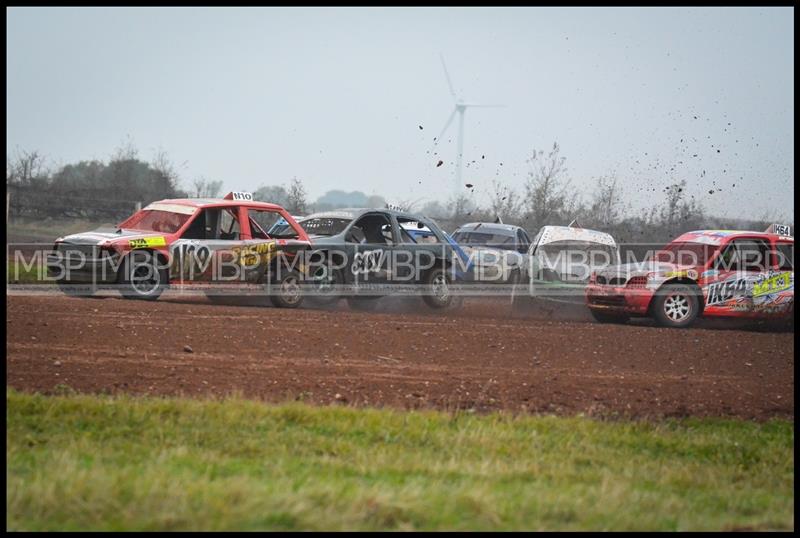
(460, 109)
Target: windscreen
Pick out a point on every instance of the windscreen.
(485, 239)
(685, 253)
(575, 260)
(155, 220)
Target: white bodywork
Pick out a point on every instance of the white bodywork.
(573, 267)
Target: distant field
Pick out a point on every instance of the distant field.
(79, 462)
(47, 230)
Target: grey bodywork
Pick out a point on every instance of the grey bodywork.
(366, 257)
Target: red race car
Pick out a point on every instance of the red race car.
(725, 273)
(186, 241)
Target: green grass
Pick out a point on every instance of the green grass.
(18, 273)
(79, 462)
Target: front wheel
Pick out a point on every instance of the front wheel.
(142, 276)
(676, 305)
(438, 293)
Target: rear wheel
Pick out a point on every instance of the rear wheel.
(676, 305)
(608, 317)
(438, 293)
(286, 290)
(326, 282)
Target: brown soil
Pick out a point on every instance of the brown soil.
(477, 357)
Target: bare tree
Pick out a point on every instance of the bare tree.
(205, 188)
(606, 207)
(126, 151)
(460, 207)
(297, 200)
(26, 168)
(434, 209)
(504, 202)
(669, 213)
(545, 188)
(274, 194)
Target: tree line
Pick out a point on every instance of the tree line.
(103, 190)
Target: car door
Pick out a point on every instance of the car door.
(735, 271)
(369, 241)
(773, 295)
(207, 250)
(259, 248)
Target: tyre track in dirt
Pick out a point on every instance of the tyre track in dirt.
(477, 358)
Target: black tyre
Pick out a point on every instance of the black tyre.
(286, 291)
(608, 317)
(675, 305)
(142, 276)
(325, 283)
(437, 293)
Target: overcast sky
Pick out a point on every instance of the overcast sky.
(336, 96)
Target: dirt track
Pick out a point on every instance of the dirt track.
(476, 358)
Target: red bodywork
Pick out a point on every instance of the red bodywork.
(163, 226)
(725, 292)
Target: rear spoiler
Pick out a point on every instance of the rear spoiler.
(779, 229)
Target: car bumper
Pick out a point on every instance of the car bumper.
(81, 271)
(633, 301)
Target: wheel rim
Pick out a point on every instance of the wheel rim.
(326, 281)
(677, 307)
(440, 289)
(290, 290)
(145, 279)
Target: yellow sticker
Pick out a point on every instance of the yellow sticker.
(774, 284)
(148, 242)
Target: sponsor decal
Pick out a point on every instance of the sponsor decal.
(710, 273)
(250, 255)
(772, 284)
(244, 196)
(688, 273)
(147, 242)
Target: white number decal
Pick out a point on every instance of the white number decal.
(368, 262)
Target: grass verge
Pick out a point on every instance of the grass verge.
(79, 462)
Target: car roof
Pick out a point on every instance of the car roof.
(354, 213)
(716, 237)
(507, 229)
(218, 202)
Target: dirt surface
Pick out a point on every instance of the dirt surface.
(479, 357)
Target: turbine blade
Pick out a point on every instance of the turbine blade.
(446, 125)
(447, 75)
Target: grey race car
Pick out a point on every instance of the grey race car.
(363, 254)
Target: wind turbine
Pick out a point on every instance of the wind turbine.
(460, 108)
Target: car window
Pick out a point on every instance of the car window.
(155, 220)
(751, 255)
(376, 229)
(785, 254)
(214, 223)
(262, 222)
(405, 236)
